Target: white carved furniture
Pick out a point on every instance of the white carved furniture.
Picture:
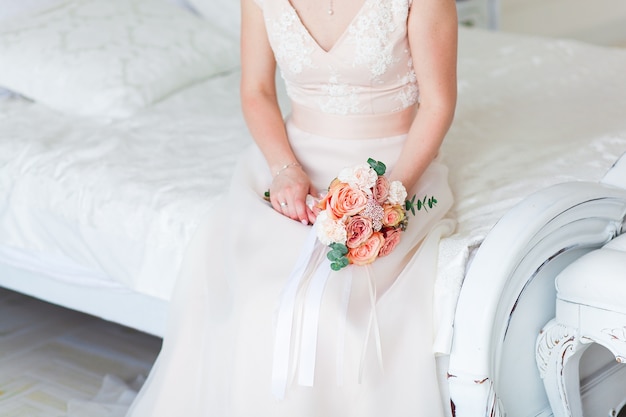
(509, 293)
(590, 308)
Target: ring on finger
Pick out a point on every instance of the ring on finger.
(283, 204)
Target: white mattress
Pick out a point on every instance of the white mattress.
(122, 198)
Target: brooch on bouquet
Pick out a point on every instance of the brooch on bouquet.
(363, 215)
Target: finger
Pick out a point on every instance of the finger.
(301, 211)
(275, 203)
(285, 208)
(312, 215)
(314, 192)
(288, 208)
(279, 204)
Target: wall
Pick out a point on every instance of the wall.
(596, 21)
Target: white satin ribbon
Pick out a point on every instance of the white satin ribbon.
(310, 323)
(372, 324)
(341, 327)
(284, 318)
(307, 332)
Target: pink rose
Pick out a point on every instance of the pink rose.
(358, 230)
(392, 238)
(381, 189)
(368, 251)
(392, 215)
(344, 200)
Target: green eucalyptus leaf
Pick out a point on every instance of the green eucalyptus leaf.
(377, 166)
(339, 247)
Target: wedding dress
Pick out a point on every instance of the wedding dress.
(370, 358)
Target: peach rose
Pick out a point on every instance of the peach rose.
(392, 238)
(358, 230)
(392, 215)
(368, 251)
(344, 200)
(381, 189)
(324, 201)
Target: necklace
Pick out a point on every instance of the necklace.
(330, 8)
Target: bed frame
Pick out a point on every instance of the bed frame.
(508, 295)
(139, 311)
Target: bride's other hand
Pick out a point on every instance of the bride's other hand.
(288, 194)
(265, 120)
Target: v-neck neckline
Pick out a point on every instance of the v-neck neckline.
(343, 34)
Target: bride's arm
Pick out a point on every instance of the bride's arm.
(264, 118)
(432, 28)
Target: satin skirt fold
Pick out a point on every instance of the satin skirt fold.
(216, 359)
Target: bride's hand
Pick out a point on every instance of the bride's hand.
(288, 194)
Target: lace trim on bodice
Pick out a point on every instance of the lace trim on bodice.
(368, 70)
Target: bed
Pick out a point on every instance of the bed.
(115, 140)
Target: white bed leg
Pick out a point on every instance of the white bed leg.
(558, 357)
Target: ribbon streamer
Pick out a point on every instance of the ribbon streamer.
(305, 350)
(341, 327)
(372, 324)
(284, 318)
(310, 323)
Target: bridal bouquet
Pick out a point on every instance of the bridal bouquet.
(363, 215)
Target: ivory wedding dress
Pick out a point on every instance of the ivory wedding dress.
(221, 355)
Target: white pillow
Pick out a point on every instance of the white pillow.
(110, 57)
(225, 14)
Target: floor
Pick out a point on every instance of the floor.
(59, 363)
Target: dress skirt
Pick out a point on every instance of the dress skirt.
(373, 358)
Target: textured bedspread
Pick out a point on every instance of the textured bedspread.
(120, 198)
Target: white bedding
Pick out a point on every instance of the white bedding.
(119, 198)
(122, 198)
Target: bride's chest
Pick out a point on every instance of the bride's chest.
(369, 41)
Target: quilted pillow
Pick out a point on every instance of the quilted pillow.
(110, 57)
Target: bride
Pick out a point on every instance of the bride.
(252, 332)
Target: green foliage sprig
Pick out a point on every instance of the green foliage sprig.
(425, 203)
(409, 205)
(377, 166)
(337, 256)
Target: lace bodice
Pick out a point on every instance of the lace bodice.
(368, 70)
